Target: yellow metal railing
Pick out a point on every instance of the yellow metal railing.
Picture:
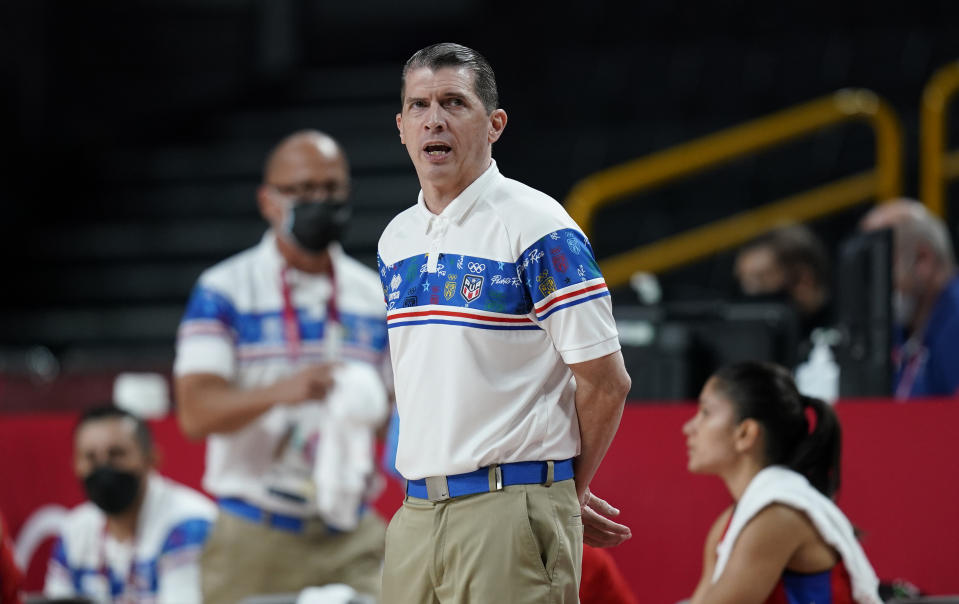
(937, 166)
(607, 186)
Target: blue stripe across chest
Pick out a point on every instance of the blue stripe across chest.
(460, 281)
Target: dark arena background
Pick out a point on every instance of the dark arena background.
(134, 134)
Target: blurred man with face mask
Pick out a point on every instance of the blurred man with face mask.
(139, 536)
(789, 264)
(925, 299)
(279, 365)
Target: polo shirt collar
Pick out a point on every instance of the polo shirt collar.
(273, 262)
(457, 210)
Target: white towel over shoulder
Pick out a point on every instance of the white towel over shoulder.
(777, 484)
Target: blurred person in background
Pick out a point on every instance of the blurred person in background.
(279, 365)
(788, 264)
(139, 536)
(925, 302)
(11, 578)
(783, 539)
(509, 378)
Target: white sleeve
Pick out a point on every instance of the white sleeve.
(207, 335)
(570, 298)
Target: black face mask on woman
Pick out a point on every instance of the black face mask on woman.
(315, 225)
(112, 490)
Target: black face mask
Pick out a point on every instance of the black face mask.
(112, 490)
(315, 225)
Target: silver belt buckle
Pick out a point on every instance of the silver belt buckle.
(437, 488)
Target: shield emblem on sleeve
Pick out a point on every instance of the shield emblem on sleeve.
(472, 287)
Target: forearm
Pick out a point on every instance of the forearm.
(209, 406)
(599, 415)
(600, 398)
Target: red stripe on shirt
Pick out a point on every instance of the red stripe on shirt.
(449, 313)
(570, 295)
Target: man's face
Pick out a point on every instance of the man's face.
(108, 442)
(446, 129)
(759, 272)
(905, 285)
(308, 170)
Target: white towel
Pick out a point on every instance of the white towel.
(777, 484)
(345, 468)
(335, 593)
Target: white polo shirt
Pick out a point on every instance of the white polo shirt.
(487, 304)
(234, 327)
(161, 565)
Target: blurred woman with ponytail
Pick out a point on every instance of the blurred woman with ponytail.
(783, 539)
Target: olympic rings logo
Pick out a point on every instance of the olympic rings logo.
(476, 267)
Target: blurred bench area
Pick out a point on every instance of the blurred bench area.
(897, 496)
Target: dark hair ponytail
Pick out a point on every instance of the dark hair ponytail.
(817, 456)
(767, 393)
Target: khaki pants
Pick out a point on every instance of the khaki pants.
(242, 558)
(521, 545)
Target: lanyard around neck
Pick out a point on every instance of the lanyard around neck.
(291, 322)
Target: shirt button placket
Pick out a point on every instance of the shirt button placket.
(438, 228)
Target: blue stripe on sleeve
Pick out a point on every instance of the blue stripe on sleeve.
(206, 303)
(557, 260)
(189, 533)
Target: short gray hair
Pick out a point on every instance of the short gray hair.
(449, 54)
(924, 226)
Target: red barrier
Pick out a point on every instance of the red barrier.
(900, 488)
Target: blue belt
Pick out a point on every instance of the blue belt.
(492, 478)
(241, 508)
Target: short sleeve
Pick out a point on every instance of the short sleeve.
(570, 299)
(207, 333)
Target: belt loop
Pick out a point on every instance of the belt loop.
(549, 474)
(495, 477)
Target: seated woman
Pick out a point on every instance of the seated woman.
(783, 540)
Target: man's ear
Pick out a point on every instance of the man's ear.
(399, 126)
(268, 208)
(497, 123)
(748, 435)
